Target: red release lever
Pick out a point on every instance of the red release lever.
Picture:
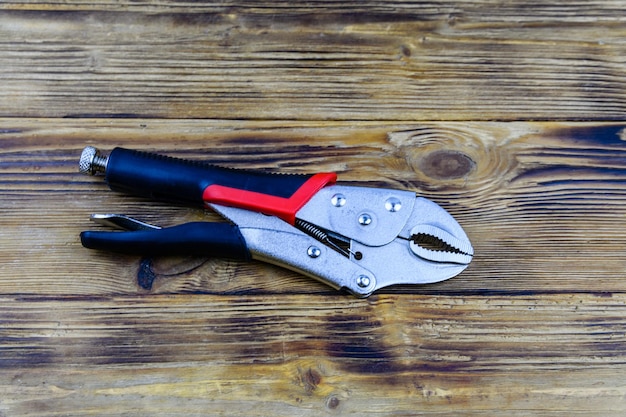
(283, 208)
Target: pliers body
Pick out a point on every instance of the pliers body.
(354, 238)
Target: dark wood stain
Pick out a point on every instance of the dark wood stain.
(33, 357)
(358, 340)
(593, 136)
(145, 274)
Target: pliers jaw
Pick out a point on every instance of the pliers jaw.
(405, 240)
(423, 245)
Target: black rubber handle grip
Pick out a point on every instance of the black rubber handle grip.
(196, 239)
(173, 179)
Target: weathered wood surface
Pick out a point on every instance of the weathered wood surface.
(535, 324)
(437, 97)
(313, 355)
(542, 202)
(379, 60)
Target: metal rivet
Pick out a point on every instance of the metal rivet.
(363, 281)
(338, 200)
(393, 204)
(313, 252)
(365, 219)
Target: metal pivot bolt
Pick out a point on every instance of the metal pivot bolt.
(313, 252)
(92, 162)
(365, 219)
(393, 205)
(363, 281)
(338, 200)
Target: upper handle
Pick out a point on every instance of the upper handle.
(195, 182)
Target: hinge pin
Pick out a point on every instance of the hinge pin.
(363, 281)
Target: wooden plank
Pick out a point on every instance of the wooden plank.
(540, 201)
(309, 355)
(439, 97)
(409, 61)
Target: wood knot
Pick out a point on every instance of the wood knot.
(446, 165)
(145, 274)
(332, 402)
(310, 379)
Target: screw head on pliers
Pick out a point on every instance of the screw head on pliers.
(92, 162)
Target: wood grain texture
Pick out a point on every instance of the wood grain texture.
(303, 355)
(540, 201)
(510, 114)
(318, 61)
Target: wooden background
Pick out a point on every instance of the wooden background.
(510, 114)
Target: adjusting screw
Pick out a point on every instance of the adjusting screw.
(92, 162)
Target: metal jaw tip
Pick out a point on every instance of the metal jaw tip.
(92, 162)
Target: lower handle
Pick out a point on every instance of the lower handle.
(195, 239)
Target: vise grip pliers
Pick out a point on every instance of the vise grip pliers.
(355, 238)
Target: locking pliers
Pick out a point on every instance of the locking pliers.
(354, 238)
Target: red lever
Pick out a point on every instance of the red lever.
(284, 208)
